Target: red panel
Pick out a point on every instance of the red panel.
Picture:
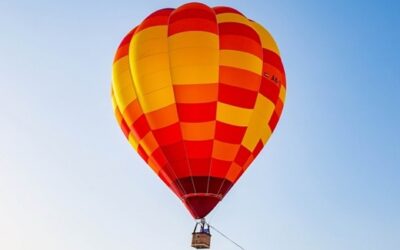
(269, 89)
(159, 17)
(229, 133)
(200, 167)
(241, 43)
(174, 152)
(192, 24)
(205, 14)
(273, 121)
(224, 9)
(199, 112)
(258, 148)
(159, 157)
(271, 58)
(219, 168)
(180, 168)
(199, 149)
(168, 135)
(123, 48)
(242, 155)
(237, 96)
(238, 29)
(140, 127)
(142, 153)
(125, 128)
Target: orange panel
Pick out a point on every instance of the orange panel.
(196, 93)
(198, 131)
(224, 151)
(163, 117)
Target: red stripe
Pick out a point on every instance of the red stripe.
(242, 155)
(140, 127)
(206, 14)
(272, 58)
(229, 133)
(159, 17)
(174, 152)
(159, 157)
(123, 48)
(168, 135)
(273, 121)
(238, 29)
(237, 96)
(199, 112)
(269, 89)
(192, 24)
(125, 128)
(224, 9)
(219, 168)
(241, 43)
(199, 149)
(258, 148)
(142, 153)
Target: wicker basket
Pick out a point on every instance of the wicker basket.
(201, 240)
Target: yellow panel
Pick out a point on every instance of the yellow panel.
(133, 141)
(193, 56)
(282, 93)
(151, 47)
(266, 134)
(264, 107)
(242, 60)
(267, 40)
(258, 127)
(153, 33)
(152, 82)
(123, 89)
(254, 132)
(233, 115)
(232, 18)
(157, 99)
(193, 39)
(202, 74)
(113, 101)
(151, 64)
(150, 69)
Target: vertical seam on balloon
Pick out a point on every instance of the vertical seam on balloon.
(251, 116)
(216, 106)
(138, 99)
(176, 105)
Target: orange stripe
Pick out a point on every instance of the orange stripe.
(196, 93)
(239, 78)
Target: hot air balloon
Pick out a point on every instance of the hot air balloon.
(198, 91)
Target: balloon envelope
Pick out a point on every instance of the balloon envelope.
(197, 92)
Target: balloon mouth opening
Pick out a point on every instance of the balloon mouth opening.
(200, 204)
(200, 194)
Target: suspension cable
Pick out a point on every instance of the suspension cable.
(226, 237)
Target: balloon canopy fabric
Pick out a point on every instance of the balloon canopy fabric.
(197, 92)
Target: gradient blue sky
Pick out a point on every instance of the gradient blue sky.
(328, 179)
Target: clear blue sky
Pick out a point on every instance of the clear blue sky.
(328, 179)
